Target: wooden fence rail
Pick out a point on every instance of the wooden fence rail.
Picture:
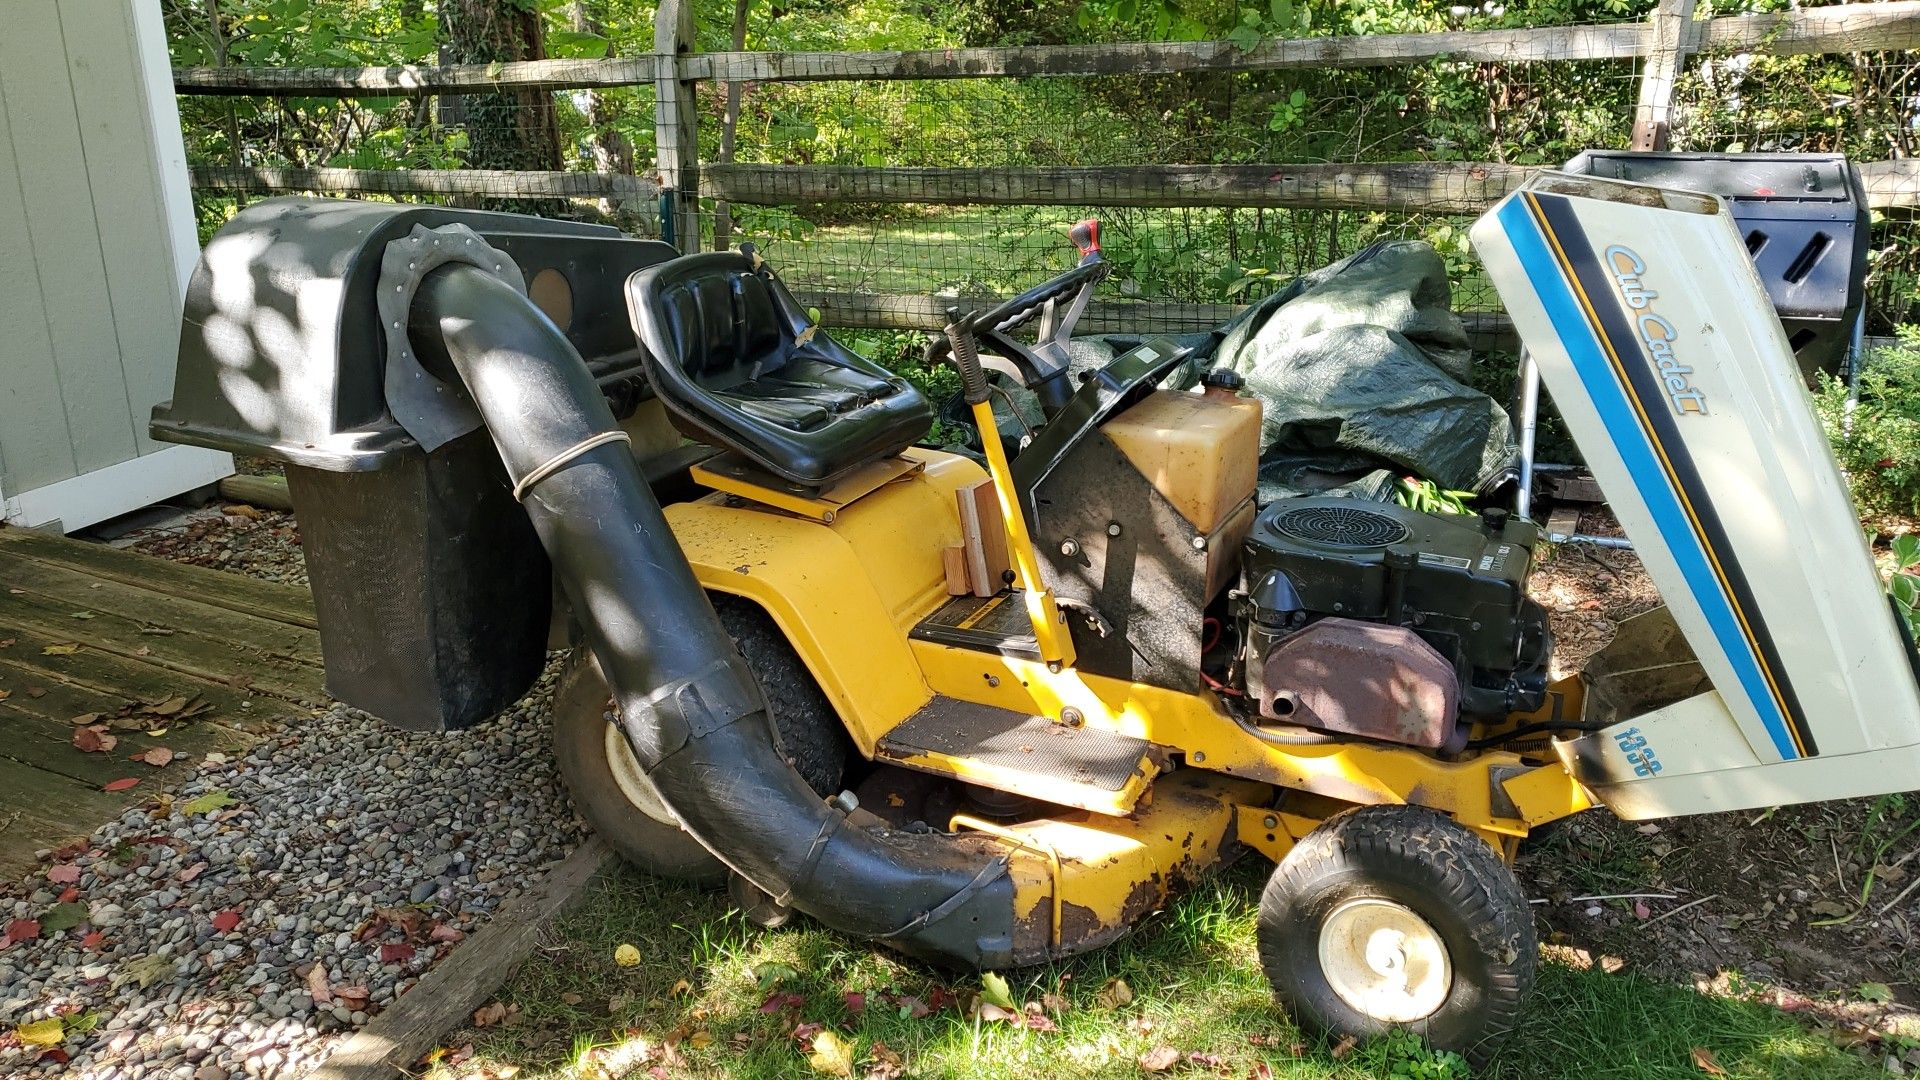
(489, 182)
(1409, 187)
(891, 311)
(1844, 28)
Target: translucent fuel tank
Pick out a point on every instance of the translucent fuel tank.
(1201, 451)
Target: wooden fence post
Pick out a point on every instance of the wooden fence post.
(676, 127)
(1673, 39)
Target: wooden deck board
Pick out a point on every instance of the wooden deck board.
(247, 648)
(282, 603)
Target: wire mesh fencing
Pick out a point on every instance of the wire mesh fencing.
(1219, 170)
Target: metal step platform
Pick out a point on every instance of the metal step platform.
(1033, 756)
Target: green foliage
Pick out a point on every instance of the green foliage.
(1878, 440)
(1401, 1055)
(1903, 584)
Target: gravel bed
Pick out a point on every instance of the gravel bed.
(243, 539)
(348, 845)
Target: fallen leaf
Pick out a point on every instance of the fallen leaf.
(701, 1039)
(168, 707)
(94, 739)
(84, 719)
(157, 756)
(190, 872)
(83, 615)
(1641, 911)
(317, 985)
(353, 997)
(444, 932)
(994, 990)
(1159, 1059)
(1878, 993)
(778, 1000)
(145, 971)
(1344, 1047)
(489, 1015)
(69, 894)
(1703, 1058)
(856, 1001)
(242, 510)
(883, 1063)
(23, 930)
(1113, 995)
(912, 1008)
(36, 692)
(226, 921)
(1260, 1070)
(61, 648)
(94, 939)
(63, 916)
(206, 804)
(396, 952)
(831, 1055)
(772, 975)
(5, 694)
(42, 1033)
(997, 1014)
(683, 988)
(6, 643)
(572, 998)
(626, 956)
(1204, 1061)
(63, 874)
(121, 784)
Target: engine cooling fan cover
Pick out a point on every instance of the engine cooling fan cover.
(1334, 525)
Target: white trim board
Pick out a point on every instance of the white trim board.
(117, 489)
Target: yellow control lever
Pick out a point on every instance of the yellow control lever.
(1049, 625)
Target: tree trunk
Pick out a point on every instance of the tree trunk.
(729, 123)
(612, 150)
(511, 130)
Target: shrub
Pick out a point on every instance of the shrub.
(1880, 448)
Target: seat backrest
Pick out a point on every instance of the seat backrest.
(723, 321)
(737, 362)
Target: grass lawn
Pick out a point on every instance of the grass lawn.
(729, 997)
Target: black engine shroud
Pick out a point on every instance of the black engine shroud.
(1457, 582)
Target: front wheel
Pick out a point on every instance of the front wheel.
(618, 800)
(1389, 917)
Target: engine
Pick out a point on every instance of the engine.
(1373, 620)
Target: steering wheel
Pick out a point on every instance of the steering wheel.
(1058, 303)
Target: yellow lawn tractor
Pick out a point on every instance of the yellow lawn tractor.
(994, 715)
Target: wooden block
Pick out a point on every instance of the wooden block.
(954, 561)
(267, 491)
(985, 538)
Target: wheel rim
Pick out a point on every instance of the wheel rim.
(1385, 961)
(632, 782)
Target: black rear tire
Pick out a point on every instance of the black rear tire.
(811, 736)
(1371, 894)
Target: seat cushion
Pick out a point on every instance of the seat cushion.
(721, 341)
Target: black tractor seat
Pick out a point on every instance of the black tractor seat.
(735, 360)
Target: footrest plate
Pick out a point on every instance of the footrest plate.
(1029, 755)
